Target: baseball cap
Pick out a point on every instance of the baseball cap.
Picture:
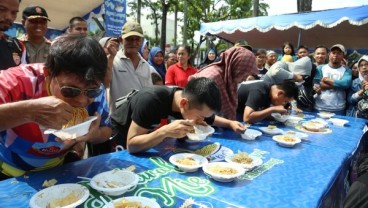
(130, 29)
(33, 12)
(243, 43)
(339, 46)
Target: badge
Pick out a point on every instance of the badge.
(16, 58)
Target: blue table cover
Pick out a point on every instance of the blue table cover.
(311, 174)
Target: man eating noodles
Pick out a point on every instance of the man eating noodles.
(36, 97)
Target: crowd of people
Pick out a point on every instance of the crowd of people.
(122, 82)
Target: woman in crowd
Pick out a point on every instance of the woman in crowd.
(144, 50)
(288, 54)
(178, 73)
(358, 87)
(210, 58)
(156, 60)
(354, 69)
(236, 64)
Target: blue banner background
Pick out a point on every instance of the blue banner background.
(115, 16)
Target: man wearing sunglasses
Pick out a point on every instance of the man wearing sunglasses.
(35, 97)
(35, 20)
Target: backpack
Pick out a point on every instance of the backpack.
(121, 112)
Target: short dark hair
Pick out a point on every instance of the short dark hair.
(261, 51)
(75, 19)
(155, 78)
(201, 91)
(77, 54)
(166, 57)
(321, 46)
(290, 89)
(303, 46)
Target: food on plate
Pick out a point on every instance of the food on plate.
(218, 169)
(242, 158)
(271, 127)
(192, 131)
(187, 161)
(300, 115)
(206, 150)
(69, 199)
(124, 203)
(286, 138)
(291, 132)
(48, 183)
(80, 115)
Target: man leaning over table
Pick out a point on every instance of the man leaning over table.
(196, 104)
(35, 97)
(258, 100)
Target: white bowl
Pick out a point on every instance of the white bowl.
(73, 131)
(296, 134)
(279, 139)
(201, 132)
(325, 114)
(223, 177)
(280, 118)
(43, 198)
(255, 163)
(271, 131)
(144, 201)
(293, 121)
(315, 125)
(114, 182)
(338, 122)
(200, 160)
(251, 134)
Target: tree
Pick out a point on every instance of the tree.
(304, 5)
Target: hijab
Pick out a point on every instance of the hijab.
(145, 42)
(159, 68)
(207, 61)
(365, 58)
(235, 64)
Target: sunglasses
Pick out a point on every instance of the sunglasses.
(71, 92)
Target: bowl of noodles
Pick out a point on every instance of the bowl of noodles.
(76, 127)
(114, 182)
(188, 162)
(223, 171)
(286, 140)
(200, 132)
(133, 202)
(244, 160)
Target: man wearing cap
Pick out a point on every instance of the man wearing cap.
(35, 22)
(244, 43)
(129, 70)
(12, 51)
(331, 82)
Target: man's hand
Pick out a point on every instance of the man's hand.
(279, 109)
(50, 112)
(179, 128)
(237, 127)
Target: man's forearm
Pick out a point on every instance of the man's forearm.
(14, 114)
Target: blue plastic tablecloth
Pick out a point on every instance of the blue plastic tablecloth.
(303, 176)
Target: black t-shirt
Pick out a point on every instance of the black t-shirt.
(10, 51)
(254, 95)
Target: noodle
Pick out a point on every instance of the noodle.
(80, 115)
(222, 170)
(128, 204)
(187, 161)
(206, 150)
(69, 199)
(242, 158)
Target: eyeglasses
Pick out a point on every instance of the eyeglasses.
(71, 92)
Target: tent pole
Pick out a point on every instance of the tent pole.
(299, 37)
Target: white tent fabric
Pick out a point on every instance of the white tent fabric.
(347, 26)
(61, 11)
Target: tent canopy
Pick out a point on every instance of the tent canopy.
(327, 27)
(61, 11)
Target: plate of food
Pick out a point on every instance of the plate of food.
(200, 132)
(251, 134)
(315, 125)
(66, 195)
(114, 182)
(134, 202)
(338, 121)
(76, 127)
(325, 114)
(244, 160)
(293, 121)
(280, 118)
(188, 162)
(223, 171)
(286, 140)
(271, 129)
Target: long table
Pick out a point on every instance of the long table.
(312, 174)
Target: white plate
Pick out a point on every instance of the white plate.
(280, 118)
(143, 200)
(255, 163)
(222, 177)
(325, 114)
(73, 131)
(296, 134)
(122, 179)
(201, 133)
(284, 143)
(315, 125)
(188, 168)
(42, 198)
(271, 131)
(251, 134)
(338, 122)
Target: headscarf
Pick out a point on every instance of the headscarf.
(207, 61)
(365, 58)
(235, 62)
(159, 68)
(145, 42)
